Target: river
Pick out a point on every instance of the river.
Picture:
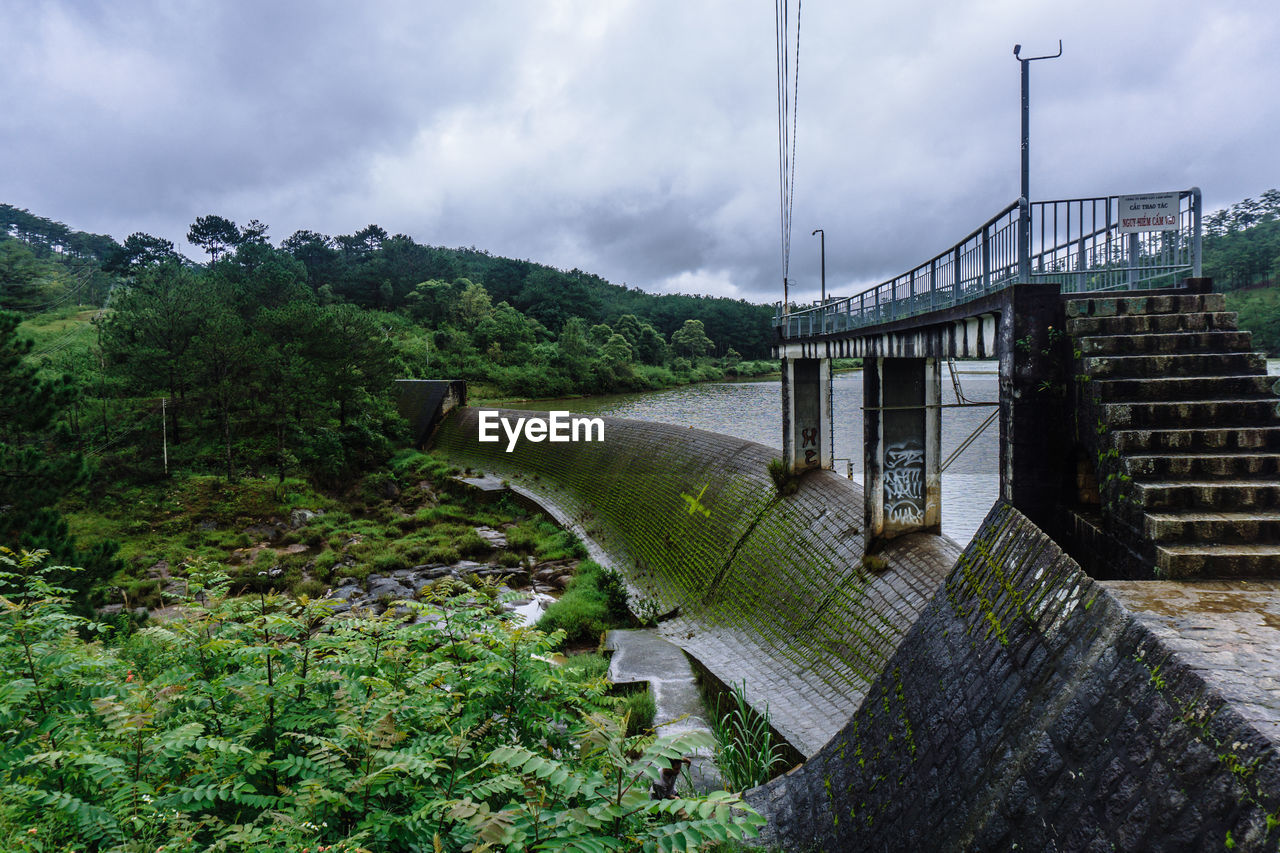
(751, 409)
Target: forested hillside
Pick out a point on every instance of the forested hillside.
(1242, 255)
(126, 363)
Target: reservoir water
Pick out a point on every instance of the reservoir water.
(752, 410)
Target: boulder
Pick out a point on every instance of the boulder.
(514, 576)
(380, 587)
(430, 572)
(303, 517)
(495, 538)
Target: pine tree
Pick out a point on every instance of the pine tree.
(34, 472)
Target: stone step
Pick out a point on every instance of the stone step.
(1220, 439)
(1213, 527)
(1146, 324)
(1191, 413)
(1218, 561)
(1186, 388)
(1204, 466)
(1169, 342)
(1165, 365)
(1207, 494)
(1112, 306)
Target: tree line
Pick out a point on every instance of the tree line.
(278, 360)
(1242, 243)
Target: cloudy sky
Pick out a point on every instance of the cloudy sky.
(636, 140)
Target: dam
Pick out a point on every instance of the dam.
(1098, 667)
(969, 699)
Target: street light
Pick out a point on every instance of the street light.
(1024, 203)
(823, 250)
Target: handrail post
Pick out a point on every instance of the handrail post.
(1133, 260)
(986, 258)
(1195, 234)
(957, 275)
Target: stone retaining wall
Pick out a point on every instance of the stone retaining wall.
(1028, 709)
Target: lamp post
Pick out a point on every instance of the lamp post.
(822, 243)
(1024, 202)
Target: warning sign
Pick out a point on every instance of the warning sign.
(1155, 212)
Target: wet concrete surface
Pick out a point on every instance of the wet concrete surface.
(642, 656)
(1228, 631)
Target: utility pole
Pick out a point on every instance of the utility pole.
(822, 243)
(1024, 201)
(164, 435)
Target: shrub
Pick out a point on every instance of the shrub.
(310, 588)
(594, 602)
(229, 723)
(638, 709)
(387, 563)
(446, 554)
(614, 589)
(470, 544)
(583, 617)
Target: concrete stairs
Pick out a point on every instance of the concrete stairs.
(1188, 428)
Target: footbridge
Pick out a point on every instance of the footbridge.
(1136, 424)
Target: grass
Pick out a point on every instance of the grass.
(639, 710)
(594, 601)
(745, 751)
(784, 479)
(405, 514)
(586, 666)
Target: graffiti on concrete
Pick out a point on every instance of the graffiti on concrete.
(809, 439)
(904, 483)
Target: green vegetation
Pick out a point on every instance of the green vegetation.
(266, 723)
(167, 418)
(1242, 243)
(745, 751)
(1242, 256)
(1259, 310)
(146, 386)
(786, 481)
(594, 601)
(638, 710)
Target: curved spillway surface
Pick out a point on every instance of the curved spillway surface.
(768, 589)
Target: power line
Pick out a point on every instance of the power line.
(788, 80)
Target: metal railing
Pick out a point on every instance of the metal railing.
(1078, 243)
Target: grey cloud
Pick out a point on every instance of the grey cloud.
(633, 140)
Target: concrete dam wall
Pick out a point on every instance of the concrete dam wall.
(769, 589)
(1029, 708)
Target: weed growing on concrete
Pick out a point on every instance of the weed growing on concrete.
(745, 751)
(785, 480)
(875, 563)
(638, 710)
